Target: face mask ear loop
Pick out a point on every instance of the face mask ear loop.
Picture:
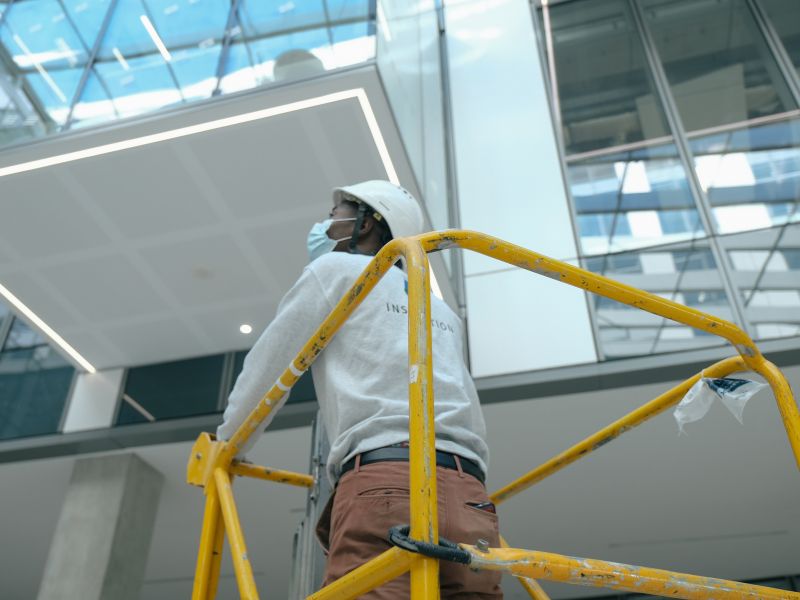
(362, 211)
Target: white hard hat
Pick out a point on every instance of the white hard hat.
(397, 206)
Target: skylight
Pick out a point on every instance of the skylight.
(81, 62)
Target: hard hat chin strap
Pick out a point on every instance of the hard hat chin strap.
(362, 212)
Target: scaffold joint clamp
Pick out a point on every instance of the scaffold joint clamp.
(444, 550)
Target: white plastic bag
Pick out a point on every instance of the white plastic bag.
(733, 392)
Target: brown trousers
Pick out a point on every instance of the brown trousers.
(370, 499)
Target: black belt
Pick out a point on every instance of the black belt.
(394, 454)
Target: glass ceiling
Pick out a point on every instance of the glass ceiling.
(70, 63)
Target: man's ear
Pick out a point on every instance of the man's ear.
(367, 225)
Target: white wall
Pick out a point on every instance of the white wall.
(721, 501)
(93, 399)
(510, 186)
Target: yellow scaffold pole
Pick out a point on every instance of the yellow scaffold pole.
(212, 463)
(422, 452)
(617, 428)
(616, 576)
(603, 286)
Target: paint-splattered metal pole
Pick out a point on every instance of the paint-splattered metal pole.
(211, 463)
(616, 576)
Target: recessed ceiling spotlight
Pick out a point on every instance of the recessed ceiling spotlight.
(245, 328)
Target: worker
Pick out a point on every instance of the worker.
(361, 382)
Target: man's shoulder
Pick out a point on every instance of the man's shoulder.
(339, 264)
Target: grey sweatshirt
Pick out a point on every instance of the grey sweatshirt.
(361, 378)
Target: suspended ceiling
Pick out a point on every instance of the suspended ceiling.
(162, 250)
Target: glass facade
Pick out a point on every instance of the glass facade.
(187, 388)
(181, 388)
(785, 18)
(679, 124)
(71, 63)
(34, 381)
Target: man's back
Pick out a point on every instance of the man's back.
(362, 377)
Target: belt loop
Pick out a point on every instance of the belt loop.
(458, 465)
(358, 463)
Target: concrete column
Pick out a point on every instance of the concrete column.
(102, 539)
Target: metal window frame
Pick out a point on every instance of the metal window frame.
(776, 47)
(685, 156)
(227, 39)
(93, 56)
(9, 64)
(68, 401)
(5, 328)
(6, 323)
(90, 62)
(457, 276)
(679, 136)
(777, 51)
(546, 52)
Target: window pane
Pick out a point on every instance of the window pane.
(259, 18)
(34, 383)
(18, 119)
(348, 9)
(717, 62)
(170, 390)
(87, 15)
(139, 85)
(131, 65)
(766, 272)
(295, 54)
(751, 175)
(37, 32)
(47, 50)
(632, 199)
(94, 105)
(196, 70)
(289, 41)
(54, 90)
(186, 23)
(192, 31)
(785, 18)
(127, 33)
(22, 336)
(240, 71)
(604, 89)
(685, 273)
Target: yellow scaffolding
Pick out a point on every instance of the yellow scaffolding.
(212, 465)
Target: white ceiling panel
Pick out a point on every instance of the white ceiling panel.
(222, 325)
(119, 289)
(284, 241)
(204, 270)
(159, 252)
(153, 196)
(273, 163)
(165, 339)
(6, 253)
(41, 220)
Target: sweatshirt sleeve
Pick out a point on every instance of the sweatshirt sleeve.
(300, 312)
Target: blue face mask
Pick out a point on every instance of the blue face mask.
(318, 241)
